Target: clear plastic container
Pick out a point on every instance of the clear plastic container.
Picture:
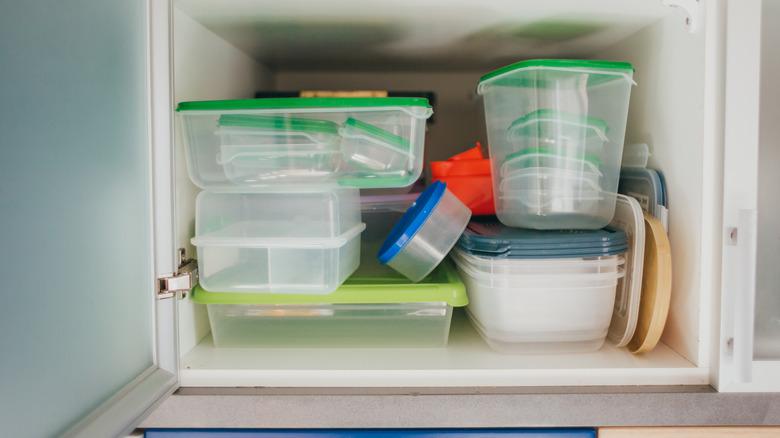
(424, 235)
(575, 109)
(282, 141)
(491, 266)
(636, 155)
(285, 241)
(369, 310)
(561, 313)
(261, 148)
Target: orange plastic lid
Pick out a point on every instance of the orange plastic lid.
(474, 153)
(469, 163)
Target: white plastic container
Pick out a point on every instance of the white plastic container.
(301, 241)
(568, 108)
(541, 313)
(281, 141)
(498, 267)
(425, 234)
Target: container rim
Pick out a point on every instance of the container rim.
(619, 67)
(280, 242)
(302, 102)
(393, 141)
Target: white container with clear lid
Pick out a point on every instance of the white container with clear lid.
(573, 108)
(257, 143)
(281, 241)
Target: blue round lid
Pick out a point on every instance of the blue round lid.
(411, 221)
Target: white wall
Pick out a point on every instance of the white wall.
(205, 68)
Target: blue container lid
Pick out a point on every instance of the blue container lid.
(411, 222)
(490, 237)
(646, 185)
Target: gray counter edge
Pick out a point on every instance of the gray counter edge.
(462, 407)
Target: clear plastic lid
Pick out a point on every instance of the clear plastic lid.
(490, 237)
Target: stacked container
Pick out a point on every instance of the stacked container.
(555, 130)
(375, 307)
(280, 210)
(540, 291)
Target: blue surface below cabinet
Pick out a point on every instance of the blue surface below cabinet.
(370, 433)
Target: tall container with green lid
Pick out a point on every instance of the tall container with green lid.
(256, 143)
(556, 129)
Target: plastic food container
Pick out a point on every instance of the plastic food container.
(263, 148)
(424, 235)
(574, 110)
(367, 311)
(467, 176)
(559, 301)
(360, 142)
(636, 155)
(285, 241)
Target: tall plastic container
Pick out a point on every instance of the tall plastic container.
(556, 129)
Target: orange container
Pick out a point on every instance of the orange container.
(468, 177)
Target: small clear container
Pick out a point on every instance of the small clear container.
(372, 150)
(256, 149)
(284, 241)
(369, 310)
(573, 108)
(255, 143)
(424, 235)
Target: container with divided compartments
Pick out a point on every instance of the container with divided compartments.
(359, 142)
(294, 240)
(556, 129)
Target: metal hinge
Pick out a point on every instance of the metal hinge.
(178, 284)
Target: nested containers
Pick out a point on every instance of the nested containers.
(559, 300)
(283, 241)
(556, 129)
(359, 142)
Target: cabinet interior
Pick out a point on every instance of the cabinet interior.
(232, 48)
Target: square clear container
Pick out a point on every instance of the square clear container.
(283, 241)
(358, 142)
(542, 313)
(369, 310)
(573, 109)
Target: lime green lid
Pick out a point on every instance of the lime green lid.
(593, 64)
(441, 285)
(591, 158)
(278, 123)
(302, 102)
(380, 134)
(598, 126)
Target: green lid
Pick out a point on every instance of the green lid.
(591, 64)
(441, 285)
(278, 123)
(302, 102)
(591, 158)
(598, 126)
(380, 134)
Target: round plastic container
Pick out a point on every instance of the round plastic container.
(572, 108)
(366, 147)
(424, 235)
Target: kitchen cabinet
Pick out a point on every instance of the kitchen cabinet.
(97, 202)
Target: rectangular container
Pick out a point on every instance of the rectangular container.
(360, 142)
(285, 241)
(556, 129)
(367, 311)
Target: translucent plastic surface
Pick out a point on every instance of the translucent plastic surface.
(367, 147)
(504, 266)
(278, 241)
(434, 239)
(566, 121)
(568, 309)
(331, 325)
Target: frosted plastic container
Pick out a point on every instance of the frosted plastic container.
(302, 241)
(568, 108)
(370, 310)
(359, 142)
(490, 266)
(636, 155)
(424, 235)
(542, 313)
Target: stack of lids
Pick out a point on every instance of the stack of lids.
(490, 238)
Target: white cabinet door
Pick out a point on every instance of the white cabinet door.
(83, 232)
(750, 304)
